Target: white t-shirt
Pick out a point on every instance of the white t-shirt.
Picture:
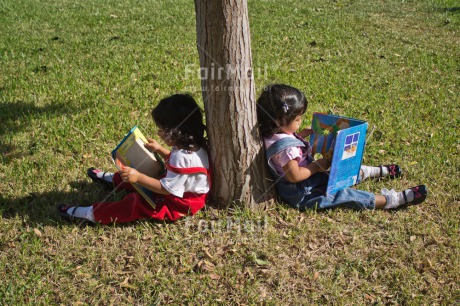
(176, 183)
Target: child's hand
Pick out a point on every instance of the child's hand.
(129, 175)
(306, 132)
(328, 155)
(152, 145)
(323, 164)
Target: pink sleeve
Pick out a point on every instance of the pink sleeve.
(287, 155)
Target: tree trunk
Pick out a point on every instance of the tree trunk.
(240, 174)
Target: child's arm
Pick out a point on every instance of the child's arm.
(305, 132)
(295, 174)
(131, 175)
(154, 146)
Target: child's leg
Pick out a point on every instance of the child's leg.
(380, 201)
(109, 180)
(76, 212)
(391, 171)
(133, 207)
(358, 199)
(120, 185)
(101, 177)
(348, 197)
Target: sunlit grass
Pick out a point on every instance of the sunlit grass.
(76, 75)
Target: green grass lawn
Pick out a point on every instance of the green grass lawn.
(75, 76)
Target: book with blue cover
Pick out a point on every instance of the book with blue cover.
(131, 152)
(343, 139)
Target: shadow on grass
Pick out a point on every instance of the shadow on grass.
(14, 116)
(455, 9)
(41, 208)
(17, 116)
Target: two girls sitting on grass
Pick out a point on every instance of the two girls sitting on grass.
(300, 180)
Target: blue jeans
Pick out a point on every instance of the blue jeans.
(310, 194)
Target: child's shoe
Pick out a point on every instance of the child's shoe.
(70, 213)
(420, 193)
(393, 171)
(411, 196)
(63, 211)
(101, 177)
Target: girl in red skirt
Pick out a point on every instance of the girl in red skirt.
(183, 189)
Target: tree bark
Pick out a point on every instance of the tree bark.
(240, 173)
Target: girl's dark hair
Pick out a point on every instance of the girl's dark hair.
(181, 120)
(277, 106)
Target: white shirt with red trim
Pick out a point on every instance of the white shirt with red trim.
(176, 183)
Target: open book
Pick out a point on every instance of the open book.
(343, 139)
(131, 152)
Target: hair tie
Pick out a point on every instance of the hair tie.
(285, 107)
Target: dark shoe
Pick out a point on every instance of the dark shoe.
(92, 174)
(63, 211)
(420, 194)
(394, 171)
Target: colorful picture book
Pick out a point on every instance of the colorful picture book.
(344, 139)
(131, 152)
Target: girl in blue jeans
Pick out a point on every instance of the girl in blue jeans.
(300, 180)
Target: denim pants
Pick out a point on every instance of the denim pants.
(311, 194)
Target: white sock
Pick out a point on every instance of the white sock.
(396, 199)
(82, 213)
(106, 176)
(369, 171)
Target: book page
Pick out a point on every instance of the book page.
(138, 157)
(325, 129)
(131, 152)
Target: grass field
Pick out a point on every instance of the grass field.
(76, 75)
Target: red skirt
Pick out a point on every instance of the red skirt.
(135, 207)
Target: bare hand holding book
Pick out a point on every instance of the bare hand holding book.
(131, 152)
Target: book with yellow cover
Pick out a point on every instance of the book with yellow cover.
(131, 152)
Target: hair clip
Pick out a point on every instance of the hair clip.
(285, 107)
